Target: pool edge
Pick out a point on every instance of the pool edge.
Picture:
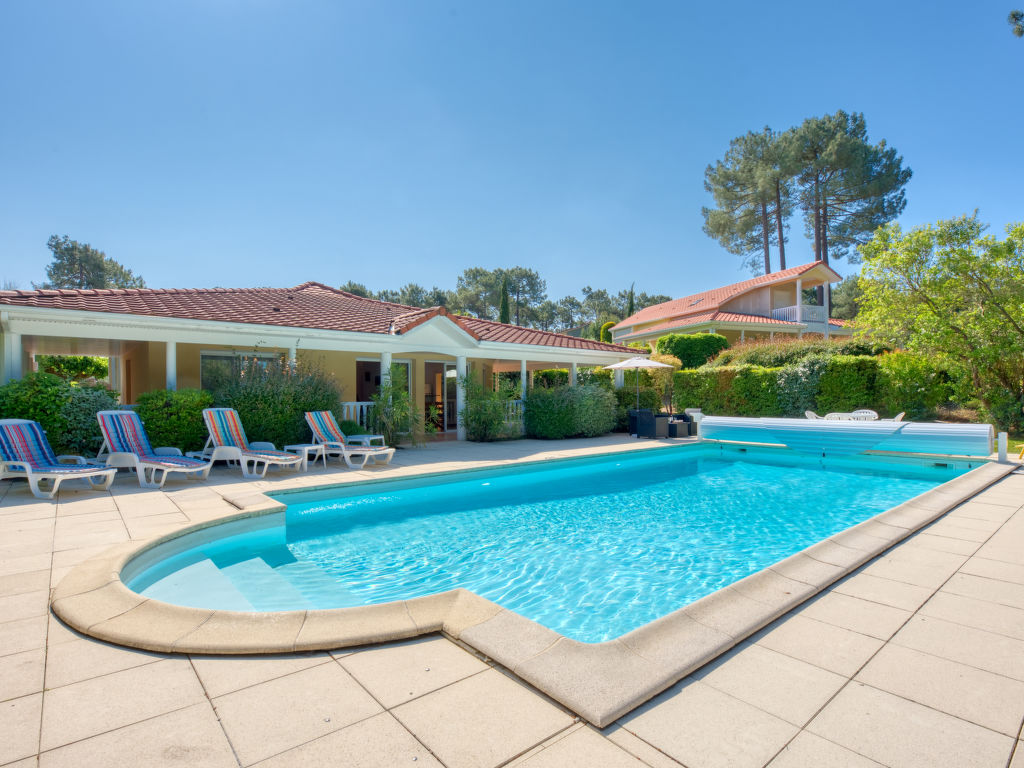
(600, 682)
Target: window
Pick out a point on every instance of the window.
(217, 369)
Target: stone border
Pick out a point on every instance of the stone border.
(600, 681)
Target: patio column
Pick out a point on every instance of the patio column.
(826, 292)
(11, 357)
(572, 374)
(460, 394)
(385, 368)
(743, 335)
(799, 300)
(522, 379)
(172, 365)
(292, 357)
(620, 379)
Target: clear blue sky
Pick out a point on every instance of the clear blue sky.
(267, 142)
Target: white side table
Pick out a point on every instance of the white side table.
(367, 440)
(307, 451)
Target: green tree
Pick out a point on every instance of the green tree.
(847, 187)
(79, 265)
(606, 331)
(357, 289)
(846, 298)
(74, 367)
(751, 187)
(631, 302)
(527, 290)
(415, 295)
(570, 312)
(1016, 22)
(504, 314)
(477, 292)
(949, 291)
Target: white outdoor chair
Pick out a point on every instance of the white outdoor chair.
(864, 414)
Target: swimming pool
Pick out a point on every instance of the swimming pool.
(590, 548)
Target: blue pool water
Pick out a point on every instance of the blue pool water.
(590, 548)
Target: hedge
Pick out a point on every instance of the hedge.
(692, 349)
(779, 352)
(554, 413)
(174, 417)
(626, 399)
(823, 383)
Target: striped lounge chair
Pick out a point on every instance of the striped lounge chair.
(326, 431)
(125, 444)
(25, 452)
(228, 442)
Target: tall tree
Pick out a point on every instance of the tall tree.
(848, 187)
(79, 265)
(1016, 22)
(527, 290)
(846, 298)
(631, 301)
(570, 312)
(357, 289)
(751, 188)
(504, 314)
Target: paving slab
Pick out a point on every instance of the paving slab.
(581, 748)
(833, 648)
(863, 616)
(225, 674)
(19, 724)
(21, 673)
(895, 731)
(810, 751)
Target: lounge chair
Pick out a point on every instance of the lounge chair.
(898, 417)
(25, 452)
(326, 431)
(864, 414)
(811, 415)
(228, 442)
(125, 444)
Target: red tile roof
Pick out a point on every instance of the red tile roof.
(310, 305)
(706, 301)
(680, 323)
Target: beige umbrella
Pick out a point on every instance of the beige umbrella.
(636, 363)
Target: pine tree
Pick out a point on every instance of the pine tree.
(79, 265)
(504, 313)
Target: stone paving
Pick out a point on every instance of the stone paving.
(917, 659)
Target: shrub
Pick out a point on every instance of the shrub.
(599, 376)
(393, 413)
(1006, 410)
(551, 377)
(798, 385)
(175, 417)
(625, 401)
(81, 433)
(775, 353)
(911, 383)
(662, 378)
(74, 367)
(693, 349)
(754, 391)
(351, 428)
(272, 400)
(483, 414)
(554, 413)
(606, 331)
(66, 413)
(705, 388)
(847, 383)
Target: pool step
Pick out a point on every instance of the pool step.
(205, 580)
(264, 587)
(319, 587)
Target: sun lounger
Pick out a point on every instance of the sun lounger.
(228, 442)
(125, 444)
(25, 452)
(326, 431)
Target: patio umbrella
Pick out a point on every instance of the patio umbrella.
(636, 363)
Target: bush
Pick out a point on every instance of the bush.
(847, 383)
(551, 377)
(705, 388)
(694, 349)
(272, 400)
(554, 413)
(911, 383)
(81, 432)
(175, 417)
(351, 428)
(66, 413)
(74, 367)
(1006, 410)
(798, 385)
(775, 353)
(606, 331)
(599, 376)
(483, 414)
(754, 391)
(625, 401)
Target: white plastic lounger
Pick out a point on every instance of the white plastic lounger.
(25, 452)
(228, 442)
(125, 444)
(326, 431)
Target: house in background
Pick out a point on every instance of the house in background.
(755, 308)
(157, 339)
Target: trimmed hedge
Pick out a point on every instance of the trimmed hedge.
(175, 417)
(554, 413)
(775, 353)
(626, 400)
(848, 383)
(692, 349)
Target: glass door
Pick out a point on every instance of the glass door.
(451, 416)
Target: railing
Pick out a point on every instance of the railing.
(811, 313)
(514, 413)
(355, 411)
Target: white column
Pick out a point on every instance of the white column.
(828, 300)
(572, 374)
(620, 379)
(743, 335)
(385, 368)
(12, 357)
(460, 394)
(522, 379)
(292, 357)
(172, 365)
(799, 300)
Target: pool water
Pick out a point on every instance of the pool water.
(590, 548)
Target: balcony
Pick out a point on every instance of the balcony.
(802, 313)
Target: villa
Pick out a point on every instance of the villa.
(755, 308)
(174, 338)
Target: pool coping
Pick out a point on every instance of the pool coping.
(600, 681)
